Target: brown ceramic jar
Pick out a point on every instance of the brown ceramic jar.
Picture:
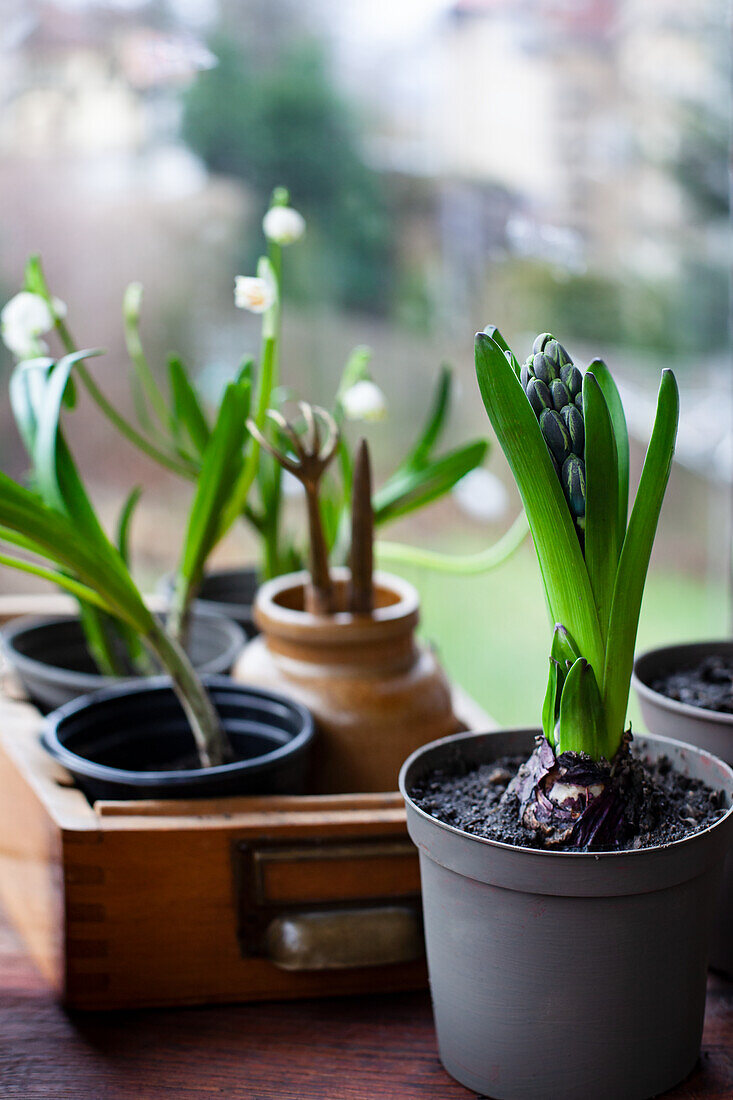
(375, 691)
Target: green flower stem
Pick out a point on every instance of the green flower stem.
(212, 743)
(131, 321)
(171, 462)
(461, 565)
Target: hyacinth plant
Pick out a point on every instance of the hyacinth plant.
(55, 533)
(565, 438)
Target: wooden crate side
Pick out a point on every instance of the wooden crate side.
(41, 815)
(153, 916)
(31, 881)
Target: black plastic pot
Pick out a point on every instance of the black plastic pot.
(227, 592)
(566, 975)
(125, 742)
(51, 658)
(706, 729)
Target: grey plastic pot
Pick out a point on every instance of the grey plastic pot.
(706, 729)
(566, 975)
(227, 592)
(51, 658)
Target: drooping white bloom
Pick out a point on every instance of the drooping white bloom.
(25, 319)
(481, 495)
(283, 225)
(254, 293)
(364, 401)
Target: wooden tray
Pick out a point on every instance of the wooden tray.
(127, 904)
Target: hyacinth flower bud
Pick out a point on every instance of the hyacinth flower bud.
(573, 483)
(576, 427)
(572, 379)
(560, 395)
(543, 369)
(555, 434)
(539, 396)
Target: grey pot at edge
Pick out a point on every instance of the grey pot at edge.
(706, 729)
(566, 975)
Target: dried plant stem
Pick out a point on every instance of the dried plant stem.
(308, 462)
(361, 593)
(319, 592)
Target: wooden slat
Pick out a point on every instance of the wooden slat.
(248, 804)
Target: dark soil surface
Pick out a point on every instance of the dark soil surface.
(708, 685)
(666, 806)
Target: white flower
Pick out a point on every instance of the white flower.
(253, 293)
(364, 401)
(481, 495)
(25, 319)
(283, 225)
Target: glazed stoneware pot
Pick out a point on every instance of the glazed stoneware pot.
(375, 692)
(706, 729)
(566, 975)
(226, 592)
(124, 742)
(51, 659)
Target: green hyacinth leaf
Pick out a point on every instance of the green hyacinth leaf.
(634, 562)
(601, 504)
(551, 705)
(188, 414)
(564, 575)
(496, 336)
(564, 650)
(608, 387)
(580, 725)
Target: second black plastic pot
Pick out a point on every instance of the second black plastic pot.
(126, 742)
(566, 975)
(51, 658)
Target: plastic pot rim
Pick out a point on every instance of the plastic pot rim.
(544, 853)
(641, 686)
(104, 772)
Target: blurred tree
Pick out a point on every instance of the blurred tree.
(273, 117)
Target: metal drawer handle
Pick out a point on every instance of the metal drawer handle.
(340, 939)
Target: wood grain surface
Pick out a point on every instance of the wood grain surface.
(362, 1048)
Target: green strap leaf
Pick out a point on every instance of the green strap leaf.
(620, 433)
(496, 336)
(580, 725)
(63, 580)
(220, 467)
(634, 562)
(551, 705)
(27, 522)
(601, 505)
(188, 414)
(146, 384)
(26, 391)
(433, 427)
(415, 488)
(565, 578)
(122, 539)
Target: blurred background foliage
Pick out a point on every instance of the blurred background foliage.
(540, 164)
